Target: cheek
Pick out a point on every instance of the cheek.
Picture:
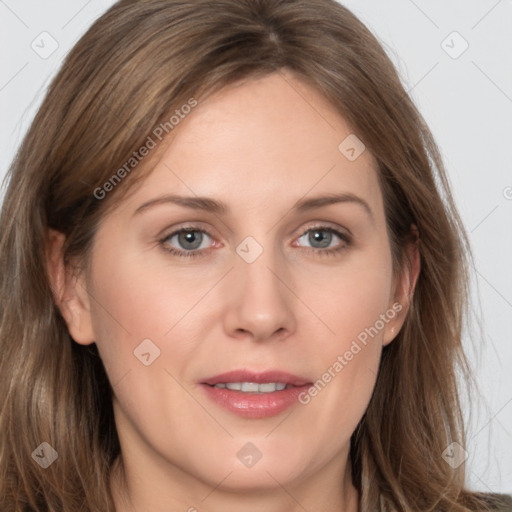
(139, 318)
(132, 304)
(356, 307)
(351, 297)
(138, 298)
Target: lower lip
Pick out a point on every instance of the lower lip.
(255, 405)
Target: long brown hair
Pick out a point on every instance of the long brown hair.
(137, 63)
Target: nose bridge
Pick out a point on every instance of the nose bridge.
(258, 267)
(261, 302)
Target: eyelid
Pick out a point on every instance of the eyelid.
(325, 224)
(187, 226)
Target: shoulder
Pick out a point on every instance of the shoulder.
(500, 502)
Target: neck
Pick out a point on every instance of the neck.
(133, 492)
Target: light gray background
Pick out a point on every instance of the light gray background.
(467, 102)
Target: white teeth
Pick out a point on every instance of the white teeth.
(253, 387)
(269, 387)
(249, 387)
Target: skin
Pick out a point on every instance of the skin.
(259, 147)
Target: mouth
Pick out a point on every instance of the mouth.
(253, 387)
(255, 395)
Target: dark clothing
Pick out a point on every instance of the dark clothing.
(501, 502)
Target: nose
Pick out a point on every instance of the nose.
(261, 300)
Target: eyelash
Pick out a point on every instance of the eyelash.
(200, 253)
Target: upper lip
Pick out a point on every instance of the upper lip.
(246, 375)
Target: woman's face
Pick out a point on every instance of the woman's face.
(261, 285)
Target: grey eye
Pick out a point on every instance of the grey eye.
(320, 236)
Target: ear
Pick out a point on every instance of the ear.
(403, 287)
(69, 290)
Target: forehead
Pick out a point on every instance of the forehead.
(260, 142)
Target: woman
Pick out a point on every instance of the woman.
(248, 370)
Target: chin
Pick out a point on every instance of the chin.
(258, 479)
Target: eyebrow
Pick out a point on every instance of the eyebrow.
(218, 207)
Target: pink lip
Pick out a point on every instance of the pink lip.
(255, 405)
(260, 378)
